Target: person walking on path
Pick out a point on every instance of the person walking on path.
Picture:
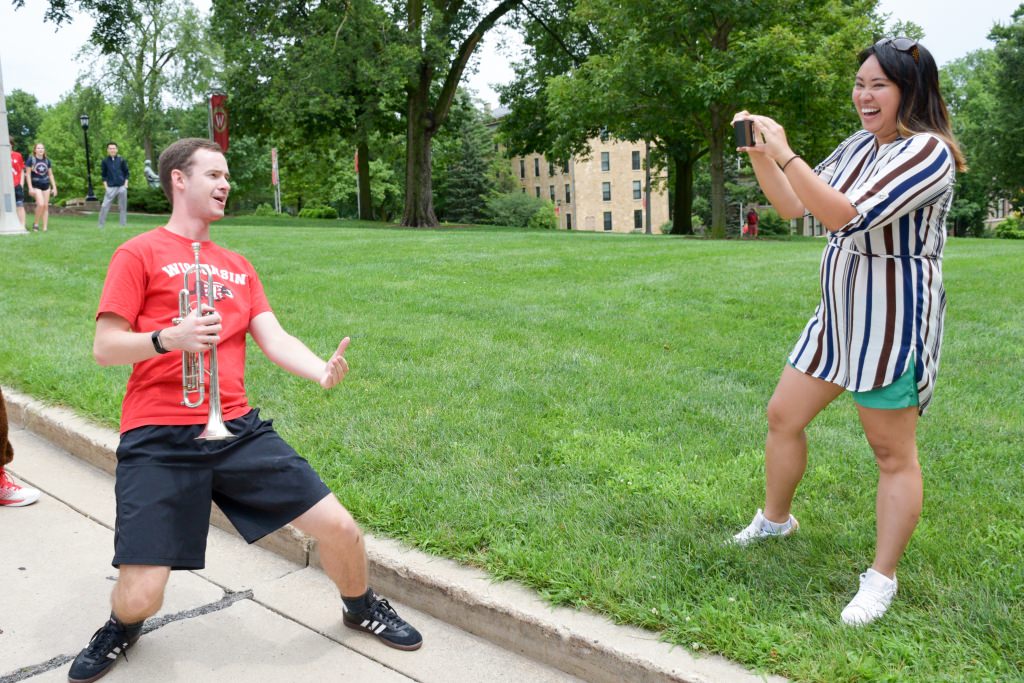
(883, 195)
(114, 170)
(166, 477)
(42, 185)
(12, 495)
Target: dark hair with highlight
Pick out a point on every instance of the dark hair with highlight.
(178, 156)
(922, 109)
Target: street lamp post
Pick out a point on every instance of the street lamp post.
(84, 120)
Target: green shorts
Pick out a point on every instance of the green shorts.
(900, 394)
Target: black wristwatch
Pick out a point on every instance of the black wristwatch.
(156, 342)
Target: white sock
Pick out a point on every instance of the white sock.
(775, 527)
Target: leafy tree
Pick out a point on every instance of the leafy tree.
(304, 73)
(969, 85)
(61, 132)
(370, 60)
(24, 115)
(557, 41)
(112, 17)
(433, 44)
(464, 164)
(161, 50)
(443, 36)
(1008, 152)
(675, 74)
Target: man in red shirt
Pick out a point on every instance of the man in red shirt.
(166, 477)
(18, 170)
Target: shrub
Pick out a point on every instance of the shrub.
(544, 218)
(318, 212)
(695, 222)
(772, 224)
(148, 200)
(515, 209)
(1012, 228)
(266, 210)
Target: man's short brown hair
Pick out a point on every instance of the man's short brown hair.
(178, 156)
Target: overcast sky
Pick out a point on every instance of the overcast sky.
(38, 59)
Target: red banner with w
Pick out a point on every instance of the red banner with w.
(219, 120)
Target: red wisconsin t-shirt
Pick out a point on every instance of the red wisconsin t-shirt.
(142, 285)
(17, 166)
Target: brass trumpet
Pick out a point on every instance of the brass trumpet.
(193, 370)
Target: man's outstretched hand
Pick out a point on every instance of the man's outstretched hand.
(337, 366)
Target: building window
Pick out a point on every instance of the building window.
(636, 160)
(551, 189)
(607, 220)
(565, 167)
(637, 190)
(537, 191)
(638, 219)
(606, 164)
(568, 196)
(606, 192)
(551, 168)
(604, 135)
(568, 221)
(536, 166)
(522, 168)
(524, 190)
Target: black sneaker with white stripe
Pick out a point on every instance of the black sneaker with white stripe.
(381, 619)
(112, 639)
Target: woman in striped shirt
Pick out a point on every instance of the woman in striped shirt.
(883, 195)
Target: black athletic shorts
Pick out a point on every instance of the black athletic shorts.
(166, 480)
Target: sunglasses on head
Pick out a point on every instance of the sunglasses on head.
(902, 44)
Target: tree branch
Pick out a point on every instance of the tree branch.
(465, 51)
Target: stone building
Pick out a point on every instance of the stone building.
(603, 193)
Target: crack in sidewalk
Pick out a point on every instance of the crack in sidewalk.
(230, 598)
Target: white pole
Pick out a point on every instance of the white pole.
(9, 223)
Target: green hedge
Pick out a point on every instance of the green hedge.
(147, 200)
(319, 212)
(1012, 228)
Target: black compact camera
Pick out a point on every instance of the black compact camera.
(744, 133)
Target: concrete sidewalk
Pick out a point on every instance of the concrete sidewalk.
(268, 613)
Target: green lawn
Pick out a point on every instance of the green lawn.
(584, 413)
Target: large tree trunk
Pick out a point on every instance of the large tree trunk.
(682, 205)
(363, 180)
(419, 190)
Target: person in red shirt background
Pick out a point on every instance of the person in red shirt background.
(18, 170)
(752, 219)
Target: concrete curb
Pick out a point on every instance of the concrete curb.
(577, 642)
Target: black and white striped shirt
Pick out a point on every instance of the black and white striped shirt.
(882, 299)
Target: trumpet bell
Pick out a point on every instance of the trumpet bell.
(215, 430)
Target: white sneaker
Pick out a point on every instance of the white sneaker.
(761, 528)
(12, 495)
(873, 598)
